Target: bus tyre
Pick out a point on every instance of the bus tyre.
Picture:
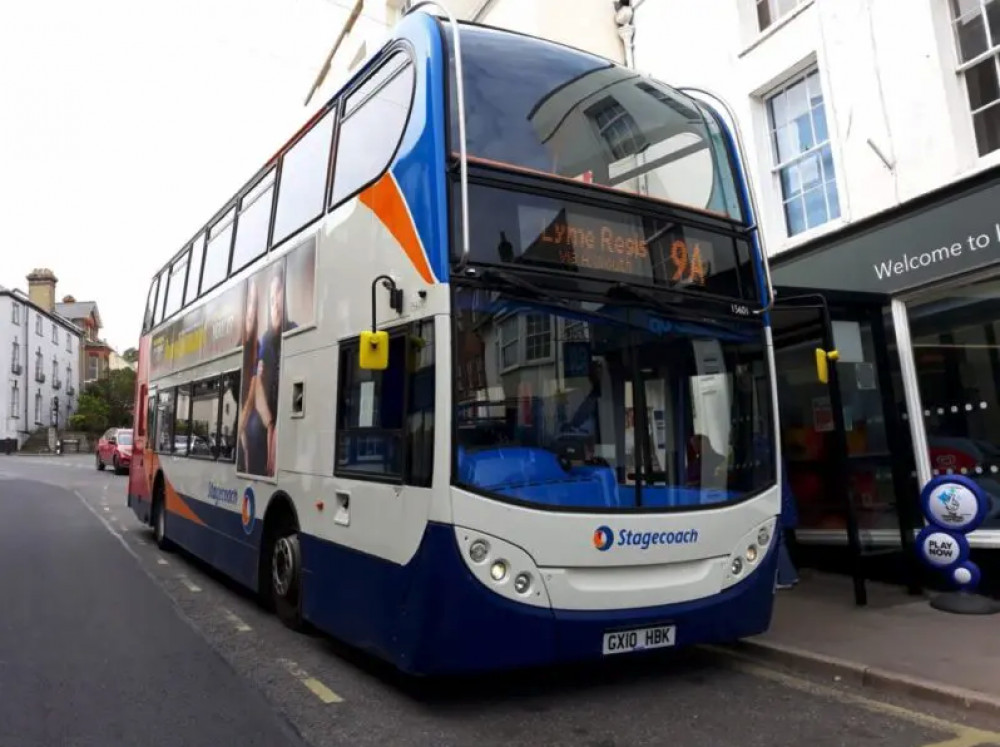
(159, 520)
(286, 578)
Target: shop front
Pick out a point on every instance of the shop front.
(910, 299)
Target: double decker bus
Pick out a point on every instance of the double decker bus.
(476, 373)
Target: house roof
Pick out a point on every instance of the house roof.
(79, 310)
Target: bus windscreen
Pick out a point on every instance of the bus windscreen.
(561, 111)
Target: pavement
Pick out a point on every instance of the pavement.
(105, 640)
(897, 643)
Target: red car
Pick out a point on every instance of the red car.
(115, 448)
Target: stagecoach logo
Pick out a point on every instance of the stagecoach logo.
(248, 510)
(604, 538)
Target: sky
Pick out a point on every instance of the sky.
(125, 124)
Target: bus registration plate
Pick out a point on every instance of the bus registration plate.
(639, 639)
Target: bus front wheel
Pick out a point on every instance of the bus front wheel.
(286, 577)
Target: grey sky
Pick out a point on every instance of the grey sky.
(124, 124)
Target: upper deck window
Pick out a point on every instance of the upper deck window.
(571, 114)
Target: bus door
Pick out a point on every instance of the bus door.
(814, 455)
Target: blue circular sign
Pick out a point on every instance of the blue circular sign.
(942, 550)
(954, 503)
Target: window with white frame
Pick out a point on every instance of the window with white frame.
(69, 343)
(15, 313)
(55, 333)
(15, 355)
(38, 325)
(977, 37)
(38, 408)
(802, 156)
(15, 399)
(524, 339)
(769, 11)
(55, 371)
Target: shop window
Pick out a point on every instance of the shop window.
(956, 349)
(976, 24)
(802, 154)
(770, 11)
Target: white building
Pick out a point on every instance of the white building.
(39, 351)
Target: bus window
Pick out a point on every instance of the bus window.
(302, 184)
(370, 132)
(420, 405)
(230, 415)
(217, 252)
(175, 286)
(194, 271)
(150, 319)
(164, 440)
(252, 225)
(205, 419)
(182, 428)
(370, 414)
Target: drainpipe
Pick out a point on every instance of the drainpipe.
(624, 15)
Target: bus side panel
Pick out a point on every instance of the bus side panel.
(432, 616)
(225, 537)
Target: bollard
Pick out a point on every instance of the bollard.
(954, 506)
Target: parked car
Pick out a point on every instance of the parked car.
(115, 448)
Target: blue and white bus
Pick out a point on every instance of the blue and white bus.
(476, 372)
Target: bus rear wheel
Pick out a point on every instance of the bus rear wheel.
(159, 519)
(286, 577)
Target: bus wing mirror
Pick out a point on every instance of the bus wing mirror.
(822, 366)
(374, 352)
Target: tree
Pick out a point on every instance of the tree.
(131, 355)
(91, 414)
(115, 394)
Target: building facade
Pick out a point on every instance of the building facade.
(39, 354)
(95, 353)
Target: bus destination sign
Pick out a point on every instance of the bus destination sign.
(517, 228)
(582, 242)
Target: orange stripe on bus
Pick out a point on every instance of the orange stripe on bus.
(386, 201)
(177, 505)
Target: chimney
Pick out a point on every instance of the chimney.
(42, 288)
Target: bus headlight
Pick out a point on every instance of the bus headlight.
(502, 567)
(478, 550)
(522, 582)
(498, 571)
(749, 552)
